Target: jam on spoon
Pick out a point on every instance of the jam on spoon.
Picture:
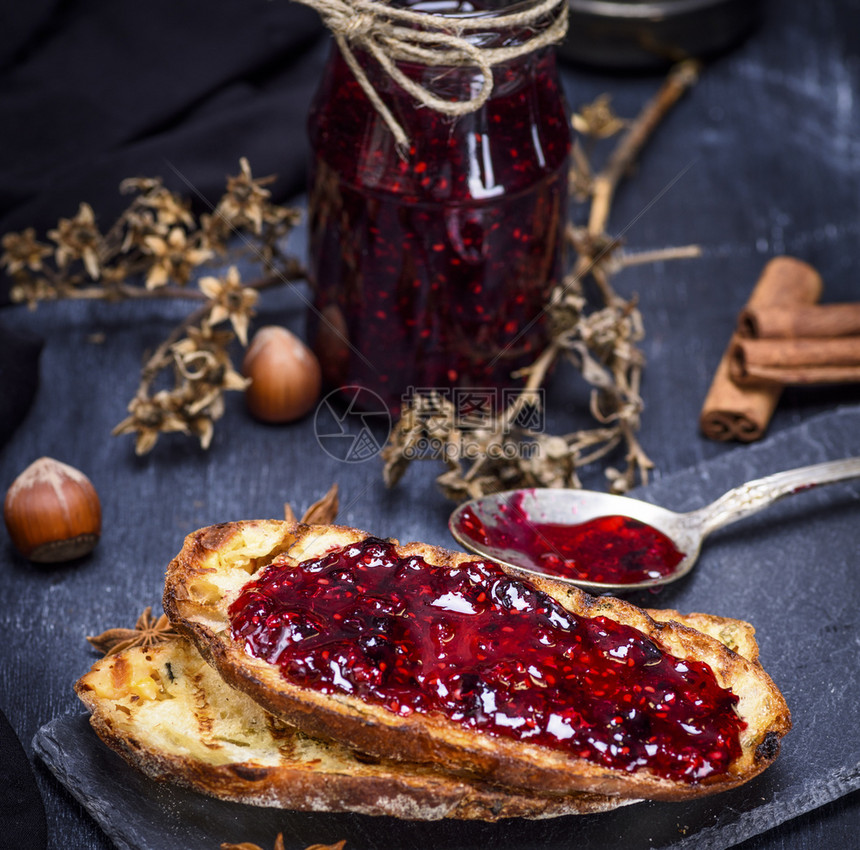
(512, 517)
(490, 652)
(614, 549)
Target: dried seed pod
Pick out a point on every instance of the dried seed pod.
(52, 512)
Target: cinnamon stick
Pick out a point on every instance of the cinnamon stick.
(790, 362)
(818, 320)
(732, 412)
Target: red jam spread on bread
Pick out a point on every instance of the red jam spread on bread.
(613, 549)
(490, 652)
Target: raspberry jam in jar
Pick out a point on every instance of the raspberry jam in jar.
(431, 261)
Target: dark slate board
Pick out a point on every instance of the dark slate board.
(22, 812)
(791, 571)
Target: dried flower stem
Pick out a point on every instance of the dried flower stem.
(535, 376)
(160, 357)
(601, 340)
(153, 250)
(681, 78)
(624, 259)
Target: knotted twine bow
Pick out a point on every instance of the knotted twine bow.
(392, 35)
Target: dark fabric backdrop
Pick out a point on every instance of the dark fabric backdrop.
(93, 92)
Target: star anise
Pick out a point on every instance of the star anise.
(321, 512)
(147, 631)
(279, 845)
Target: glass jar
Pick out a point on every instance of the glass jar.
(430, 266)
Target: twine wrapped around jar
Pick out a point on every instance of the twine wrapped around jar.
(390, 35)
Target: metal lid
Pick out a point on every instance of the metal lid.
(638, 34)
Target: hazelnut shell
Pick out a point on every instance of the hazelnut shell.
(52, 512)
(285, 376)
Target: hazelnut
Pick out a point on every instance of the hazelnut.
(52, 512)
(285, 376)
(332, 345)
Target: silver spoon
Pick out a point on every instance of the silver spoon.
(570, 507)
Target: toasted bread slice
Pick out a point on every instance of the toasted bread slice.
(169, 714)
(216, 562)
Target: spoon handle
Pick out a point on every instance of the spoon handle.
(754, 496)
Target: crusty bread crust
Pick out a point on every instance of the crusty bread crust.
(216, 562)
(169, 714)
